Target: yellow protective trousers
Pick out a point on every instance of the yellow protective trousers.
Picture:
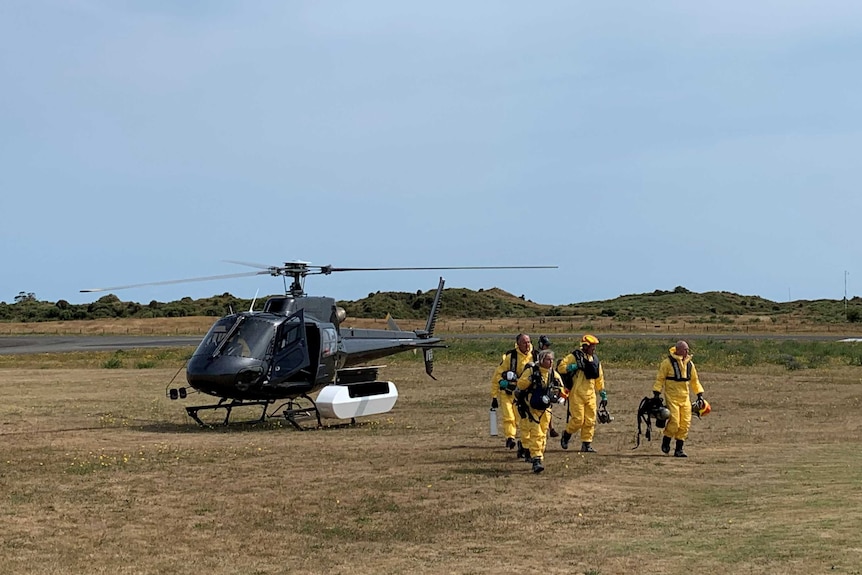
(680, 418)
(534, 436)
(582, 413)
(509, 415)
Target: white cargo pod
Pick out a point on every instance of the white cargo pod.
(346, 401)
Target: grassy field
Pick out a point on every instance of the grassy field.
(101, 473)
(704, 325)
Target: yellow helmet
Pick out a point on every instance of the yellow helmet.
(589, 339)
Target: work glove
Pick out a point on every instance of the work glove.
(503, 384)
(603, 395)
(656, 394)
(572, 368)
(494, 403)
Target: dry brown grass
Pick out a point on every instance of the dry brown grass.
(102, 474)
(198, 325)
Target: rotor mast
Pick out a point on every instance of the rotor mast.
(296, 270)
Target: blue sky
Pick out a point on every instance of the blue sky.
(636, 145)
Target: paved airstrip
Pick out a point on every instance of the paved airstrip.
(10, 345)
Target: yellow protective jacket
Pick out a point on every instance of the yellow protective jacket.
(522, 359)
(583, 387)
(677, 382)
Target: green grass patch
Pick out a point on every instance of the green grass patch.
(711, 353)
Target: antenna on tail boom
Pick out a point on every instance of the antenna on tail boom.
(428, 353)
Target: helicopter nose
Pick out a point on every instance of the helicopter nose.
(249, 375)
(224, 372)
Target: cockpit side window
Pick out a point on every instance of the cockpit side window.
(328, 341)
(291, 348)
(289, 333)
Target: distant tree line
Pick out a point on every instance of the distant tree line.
(458, 303)
(27, 308)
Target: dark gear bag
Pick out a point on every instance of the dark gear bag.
(651, 407)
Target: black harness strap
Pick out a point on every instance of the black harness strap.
(513, 359)
(513, 364)
(677, 372)
(590, 368)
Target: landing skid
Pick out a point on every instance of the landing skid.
(222, 404)
(293, 410)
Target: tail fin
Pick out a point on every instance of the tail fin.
(390, 322)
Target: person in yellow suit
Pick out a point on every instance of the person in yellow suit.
(545, 343)
(588, 379)
(539, 387)
(677, 376)
(504, 383)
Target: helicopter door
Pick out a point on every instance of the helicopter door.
(291, 348)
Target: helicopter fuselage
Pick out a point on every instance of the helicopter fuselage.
(285, 351)
(262, 355)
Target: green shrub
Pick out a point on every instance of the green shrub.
(790, 362)
(113, 362)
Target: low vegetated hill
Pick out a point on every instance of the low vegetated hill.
(678, 304)
(659, 305)
(457, 302)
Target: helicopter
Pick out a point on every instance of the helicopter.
(297, 346)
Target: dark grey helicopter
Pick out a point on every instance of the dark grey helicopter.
(296, 346)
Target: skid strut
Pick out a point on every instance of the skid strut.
(293, 408)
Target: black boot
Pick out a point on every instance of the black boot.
(537, 465)
(510, 443)
(552, 432)
(587, 448)
(678, 452)
(665, 444)
(564, 440)
(520, 450)
(527, 458)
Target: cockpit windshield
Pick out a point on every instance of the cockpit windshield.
(247, 336)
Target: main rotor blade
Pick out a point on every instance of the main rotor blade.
(250, 264)
(329, 269)
(168, 282)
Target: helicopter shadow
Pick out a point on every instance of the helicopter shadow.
(255, 426)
